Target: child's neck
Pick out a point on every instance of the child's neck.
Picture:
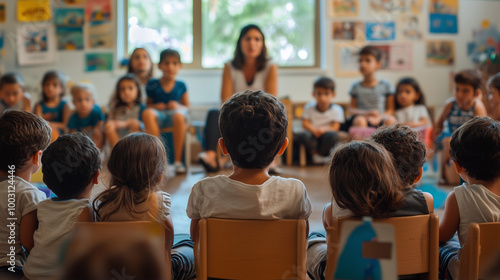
(250, 176)
(83, 115)
(166, 80)
(23, 173)
(53, 101)
(370, 80)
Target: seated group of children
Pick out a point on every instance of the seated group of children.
(253, 127)
(167, 104)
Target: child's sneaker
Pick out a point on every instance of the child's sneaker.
(179, 168)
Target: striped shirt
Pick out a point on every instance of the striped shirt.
(372, 98)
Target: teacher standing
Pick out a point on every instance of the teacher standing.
(249, 69)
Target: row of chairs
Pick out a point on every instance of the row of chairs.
(265, 249)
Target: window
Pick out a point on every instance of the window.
(205, 31)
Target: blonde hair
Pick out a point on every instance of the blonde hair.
(138, 164)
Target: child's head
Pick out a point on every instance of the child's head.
(170, 63)
(127, 91)
(23, 136)
(253, 127)
(370, 60)
(475, 147)
(408, 93)
(493, 85)
(11, 88)
(406, 148)
(133, 183)
(53, 85)
(362, 180)
(251, 44)
(140, 63)
(467, 87)
(83, 97)
(70, 165)
(324, 92)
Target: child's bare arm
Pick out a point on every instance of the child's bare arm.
(430, 201)
(480, 109)
(271, 85)
(29, 223)
(439, 124)
(307, 125)
(327, 216)
(38, 110)
(194, 229)
(390, 105)
(169, 233)
(27, 104)
(451, 219)
(185, 99)
(335, 126)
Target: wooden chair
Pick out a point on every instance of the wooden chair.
(417, 244)
(289, 114)
(90, 236)
(481, 245)
(251, 249)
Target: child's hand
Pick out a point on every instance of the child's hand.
(48, 116)
(172, 105)
(160, 106)
(318, 132)
(374, 120)
(372, 113)
(133, 124)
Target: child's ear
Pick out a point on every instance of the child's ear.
(420, 172)
(477, 92)
(36, 158)
(222, 146)
(283, 147)
(95, 178)
(460, 170)
(379, 65)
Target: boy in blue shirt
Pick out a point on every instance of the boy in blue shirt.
(88, 117)
(168, 103)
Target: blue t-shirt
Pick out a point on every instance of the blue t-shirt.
(157, 94)
(75, 122)
(58, 110)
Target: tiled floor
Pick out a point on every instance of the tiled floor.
(315, 179)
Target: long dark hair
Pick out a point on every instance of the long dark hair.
(54, 75)
(130, 70)
(414, 84)
(239, 59)
(116, 100)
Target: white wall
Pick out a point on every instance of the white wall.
(204, 85)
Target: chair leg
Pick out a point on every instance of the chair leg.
(187, 151)
(302, 156)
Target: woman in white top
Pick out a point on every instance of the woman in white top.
(249, 69)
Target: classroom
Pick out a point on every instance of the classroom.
(250, 139)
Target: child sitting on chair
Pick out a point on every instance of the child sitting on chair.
(475, 150)
(70, 168)
(321, 121)
(253, 127)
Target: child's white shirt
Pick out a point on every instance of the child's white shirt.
(222, 197)
(323, 119)
(413, 113)
(26, 197)
(56, 221)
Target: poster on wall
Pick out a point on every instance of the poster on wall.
(98, 10)
(346, 59)
(443, 16)
(440, 52)
(391, 7)
(36, 44)
(410, 27)
(348, 30)
(344, 8)
(69, 16)
(485, 43)
(396, 56)
(2, 12)
(100, 35)
(380, 31)
(33, 10)
(98, 62)
(70, 2)
(69, 38)
(2, 50)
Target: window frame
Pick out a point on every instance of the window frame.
(197, 37)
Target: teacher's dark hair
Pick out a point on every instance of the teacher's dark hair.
(239, 59)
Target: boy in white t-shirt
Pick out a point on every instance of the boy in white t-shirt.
(253, 127)
(70, 168)
(321, 120)
(23, 137)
